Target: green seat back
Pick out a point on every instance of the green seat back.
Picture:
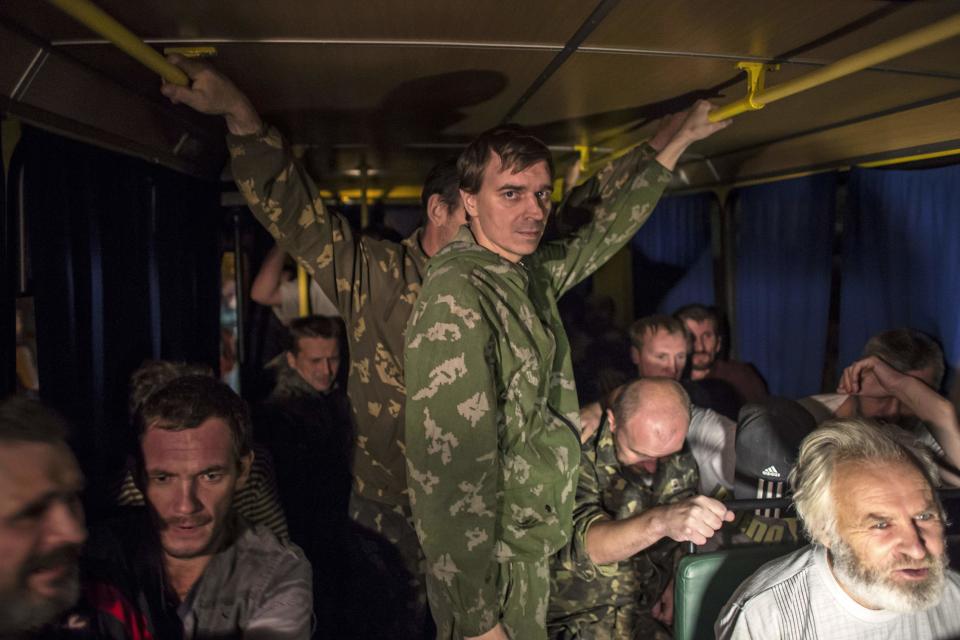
(706, 581)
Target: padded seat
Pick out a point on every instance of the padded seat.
(706, 581)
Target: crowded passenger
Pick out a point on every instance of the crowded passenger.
(492, 421)
(660, 347)
(703, 325)
(306, 427)
(877, 565)
(189, 565)
(275, 287)
(896, 381)
(636, 499)
(41, 521)
(373, 283)
(256, 500)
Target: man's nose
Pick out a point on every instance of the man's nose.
(535, 207)
(912, 543)
(186, 499)
(65, 524)
(698, 343)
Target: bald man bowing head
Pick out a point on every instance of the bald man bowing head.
(636, 500)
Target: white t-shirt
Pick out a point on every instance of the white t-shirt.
(798, 598)
(712, 440)
(289, 307)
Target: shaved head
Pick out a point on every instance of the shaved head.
(649, 420)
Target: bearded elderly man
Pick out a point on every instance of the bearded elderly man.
(877, 567)
(492, 428)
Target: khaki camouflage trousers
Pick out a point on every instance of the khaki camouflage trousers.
(394, 524)
(524, 590)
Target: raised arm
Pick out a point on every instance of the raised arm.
(279, 192)
(452, 452)
(622, 196)
(872, 377)
(266, 285)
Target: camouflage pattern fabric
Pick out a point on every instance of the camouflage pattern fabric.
(590, 601)
(373, 283)
(492, 415)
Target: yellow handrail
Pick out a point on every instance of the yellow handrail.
(901, 45)
(303, 291)
(96, 20)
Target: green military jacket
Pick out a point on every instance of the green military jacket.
(583, 592)
(492, 412)
(373, 283)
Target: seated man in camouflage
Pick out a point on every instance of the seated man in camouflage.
(636, 499)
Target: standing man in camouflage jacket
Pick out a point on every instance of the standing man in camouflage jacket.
(636, 499)
(492, 423)
(373, 283)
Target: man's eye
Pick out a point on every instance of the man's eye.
(543, 195)
(926, 516)
(510, 195)
(880, 525)
(213, 476)
(160, 478)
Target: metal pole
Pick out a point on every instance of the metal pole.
(241, 294)
(303, 291)
(364, 205)
(99, 22)
(902, 45)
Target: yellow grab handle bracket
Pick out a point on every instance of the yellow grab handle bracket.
(191, 52)
(756, 76)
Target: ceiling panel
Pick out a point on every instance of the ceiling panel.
(732, 28)
(546, 21)
(408, 90)
(595, 93)
(909, 16)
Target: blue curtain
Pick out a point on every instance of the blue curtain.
(901, 257)
(784, 247)
(672, 259)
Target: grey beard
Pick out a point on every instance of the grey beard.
(871, 587)
(21, 612)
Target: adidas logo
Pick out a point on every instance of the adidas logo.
(771, 471)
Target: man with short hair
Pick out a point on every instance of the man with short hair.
(373, 283)
(896, 381)
(636, 500)
(660, 348)
(877, 567)
(305, 424)
(492, 417)
(703, 324)
(41, 519)
(193, 565)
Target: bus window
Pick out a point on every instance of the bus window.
(28, 379)
(229, 367)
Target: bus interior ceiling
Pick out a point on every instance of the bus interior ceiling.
(397, 86)
(372, 94)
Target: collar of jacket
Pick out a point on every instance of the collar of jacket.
(464, 247)
(415, 250)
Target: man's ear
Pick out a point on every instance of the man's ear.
(291, 360)
(469, 203)
(719, 344)
(611, 420)
(634, 355)
(246, 462)
(437, 211)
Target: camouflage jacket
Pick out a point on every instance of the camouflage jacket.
(583, 592)
(492, 413)
(372, 282)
